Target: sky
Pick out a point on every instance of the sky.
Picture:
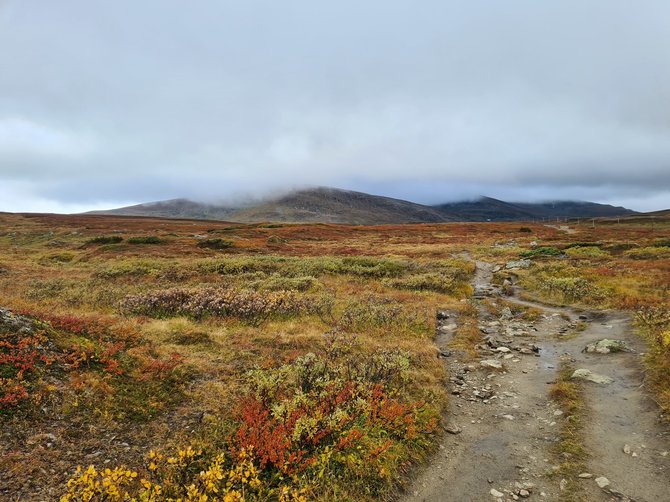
(104, 104)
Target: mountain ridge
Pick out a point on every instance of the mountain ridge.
(333, 205)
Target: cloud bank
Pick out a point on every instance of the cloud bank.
(109, 103)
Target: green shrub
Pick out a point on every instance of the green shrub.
(215, 244)
(105, 239)
(147, 239)
(541, 252)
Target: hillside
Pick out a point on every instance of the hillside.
(332, 205)
(318, 205)
(489, 209)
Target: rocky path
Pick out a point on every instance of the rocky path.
(502, 423)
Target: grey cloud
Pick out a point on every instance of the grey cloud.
(131, 101)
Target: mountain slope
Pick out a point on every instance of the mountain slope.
(174, 208)
(318, 205)
(489, 209)
(331, 205)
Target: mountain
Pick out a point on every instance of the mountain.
(489, 209)
(173, 208)
(332, 205)
(317, 205)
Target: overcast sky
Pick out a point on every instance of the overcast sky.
(110, 103)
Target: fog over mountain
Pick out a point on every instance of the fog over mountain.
(106, 104)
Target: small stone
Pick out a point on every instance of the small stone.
(586, 475)
(664, 454)
(626, 449)
(558, 413)
(453, 429)
(584, 374)
(496, 493)
(491, 363)
(503, 349)
(508, 417)
(563, 484)
(602, 482)
(524, 494)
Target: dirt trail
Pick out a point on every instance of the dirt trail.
(502, 423)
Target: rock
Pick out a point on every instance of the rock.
(626, 449)
(496, 493)
(453, 429)
(583, 317)
(446, 328)
(606, 346)
(444, 353)
(563, 484)
(524, 494)
(491, 363)
(503, 349)
(508, 417)
(518, 264)
(584, 374)
(441, 315)
(506, 314)
(586, 475)
(602, 482)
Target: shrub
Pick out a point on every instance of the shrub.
(148, 239)
(648, 253)
(525, 230)
(540, 252)
(586, 252)
(105, 239)
(221, 302)
(215, 244)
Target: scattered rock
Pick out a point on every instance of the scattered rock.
(503, 349)
(441, 315)
(491, 363)
(586, 475)
(508, 417)
(496, 493)
(602, 482)
(524, 494)
(584, 374)
(626, 449)
(518, 264)
(606, 346)
(563, 484)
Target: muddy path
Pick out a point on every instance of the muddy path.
(501, 423)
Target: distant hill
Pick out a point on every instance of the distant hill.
(332, 205)
(318, 205)
(173, 208)
(489, 209)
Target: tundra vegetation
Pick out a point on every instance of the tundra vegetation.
(156, 360)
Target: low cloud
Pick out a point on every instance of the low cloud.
(102, 105)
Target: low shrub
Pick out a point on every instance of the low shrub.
(148, 239)
(526, 230)
(337, 422)
(215, 244)
(248, 305)
(540, 252)
(648, 253)
(586, 252)
(105, 239)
